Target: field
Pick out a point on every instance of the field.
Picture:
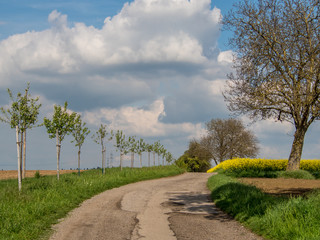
(9, 174)
(282, 186)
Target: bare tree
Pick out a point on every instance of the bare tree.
(277, 64)
(226, 139)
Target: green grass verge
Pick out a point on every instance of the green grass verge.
(269, 216)
(42, 201)
(256, 173)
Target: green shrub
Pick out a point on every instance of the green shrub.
(37, 174)
(192, 164)
(302, 174)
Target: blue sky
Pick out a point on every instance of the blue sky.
(153, 68)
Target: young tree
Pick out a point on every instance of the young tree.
(132, 146)
(163, 154)
(156, 148)
(141, 147)
(149, 148)
(226, 139)
(99, 138)
(23, 113)
(79, 133)
(277, 64)
(121, 145)
(169, 157)
(61, 124)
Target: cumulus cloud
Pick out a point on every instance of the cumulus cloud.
(143, 122)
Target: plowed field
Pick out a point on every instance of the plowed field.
(7, 174)
(282, 186)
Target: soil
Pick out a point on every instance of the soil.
(283, 186)
(9, 174)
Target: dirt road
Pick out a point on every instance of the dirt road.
(164, 209)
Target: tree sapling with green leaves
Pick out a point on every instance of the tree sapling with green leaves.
(61, 124)
(132, 146)
(99, 138)
(22, 115)
(79, 133)
(141, 147)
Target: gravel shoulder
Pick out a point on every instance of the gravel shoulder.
(169, 208)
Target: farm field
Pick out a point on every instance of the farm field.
(9, 174)
(282, 186)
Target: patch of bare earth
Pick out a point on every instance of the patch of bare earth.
(283, 186)
(9, 174)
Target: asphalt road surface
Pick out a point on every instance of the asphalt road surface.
(163, 209)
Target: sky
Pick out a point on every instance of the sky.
(155, 69)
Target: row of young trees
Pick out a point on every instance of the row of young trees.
(23, 114)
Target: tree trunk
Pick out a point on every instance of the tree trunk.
(24, 154)
(121, 161)
(296, 149)
(158, 160)
(103, 165)
(19, 157)
(140, 157)
(148, 159)
(102, 156)
(21, 153)
(58, 155)
(154, 158)
(79, 161)
(132, 159)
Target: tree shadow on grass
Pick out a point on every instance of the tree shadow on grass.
(242, 201)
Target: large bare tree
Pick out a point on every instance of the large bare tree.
(277, 64)
(227, 139)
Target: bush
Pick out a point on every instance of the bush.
(302, 174)
(192, 164)
(37, 174)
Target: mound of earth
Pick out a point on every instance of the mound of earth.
(283, 186)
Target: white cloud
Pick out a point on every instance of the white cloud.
(225, 57)
(142, 122)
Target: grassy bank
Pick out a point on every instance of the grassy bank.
(44, 200)
(269, 216)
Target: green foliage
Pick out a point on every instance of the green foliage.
(120, 143)
(62, 122)
(23, 112)
(101, 134)
(132, 144)
(269, 216)
(79, 131)
(37, 174)
(30, 214)
(141, 146)
(253, 173)
(192, 164)
(302, 174)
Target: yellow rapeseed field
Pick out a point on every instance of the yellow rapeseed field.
(264, 164)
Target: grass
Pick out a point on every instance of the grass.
(256, 173)
(269, 216)
(43, 200)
